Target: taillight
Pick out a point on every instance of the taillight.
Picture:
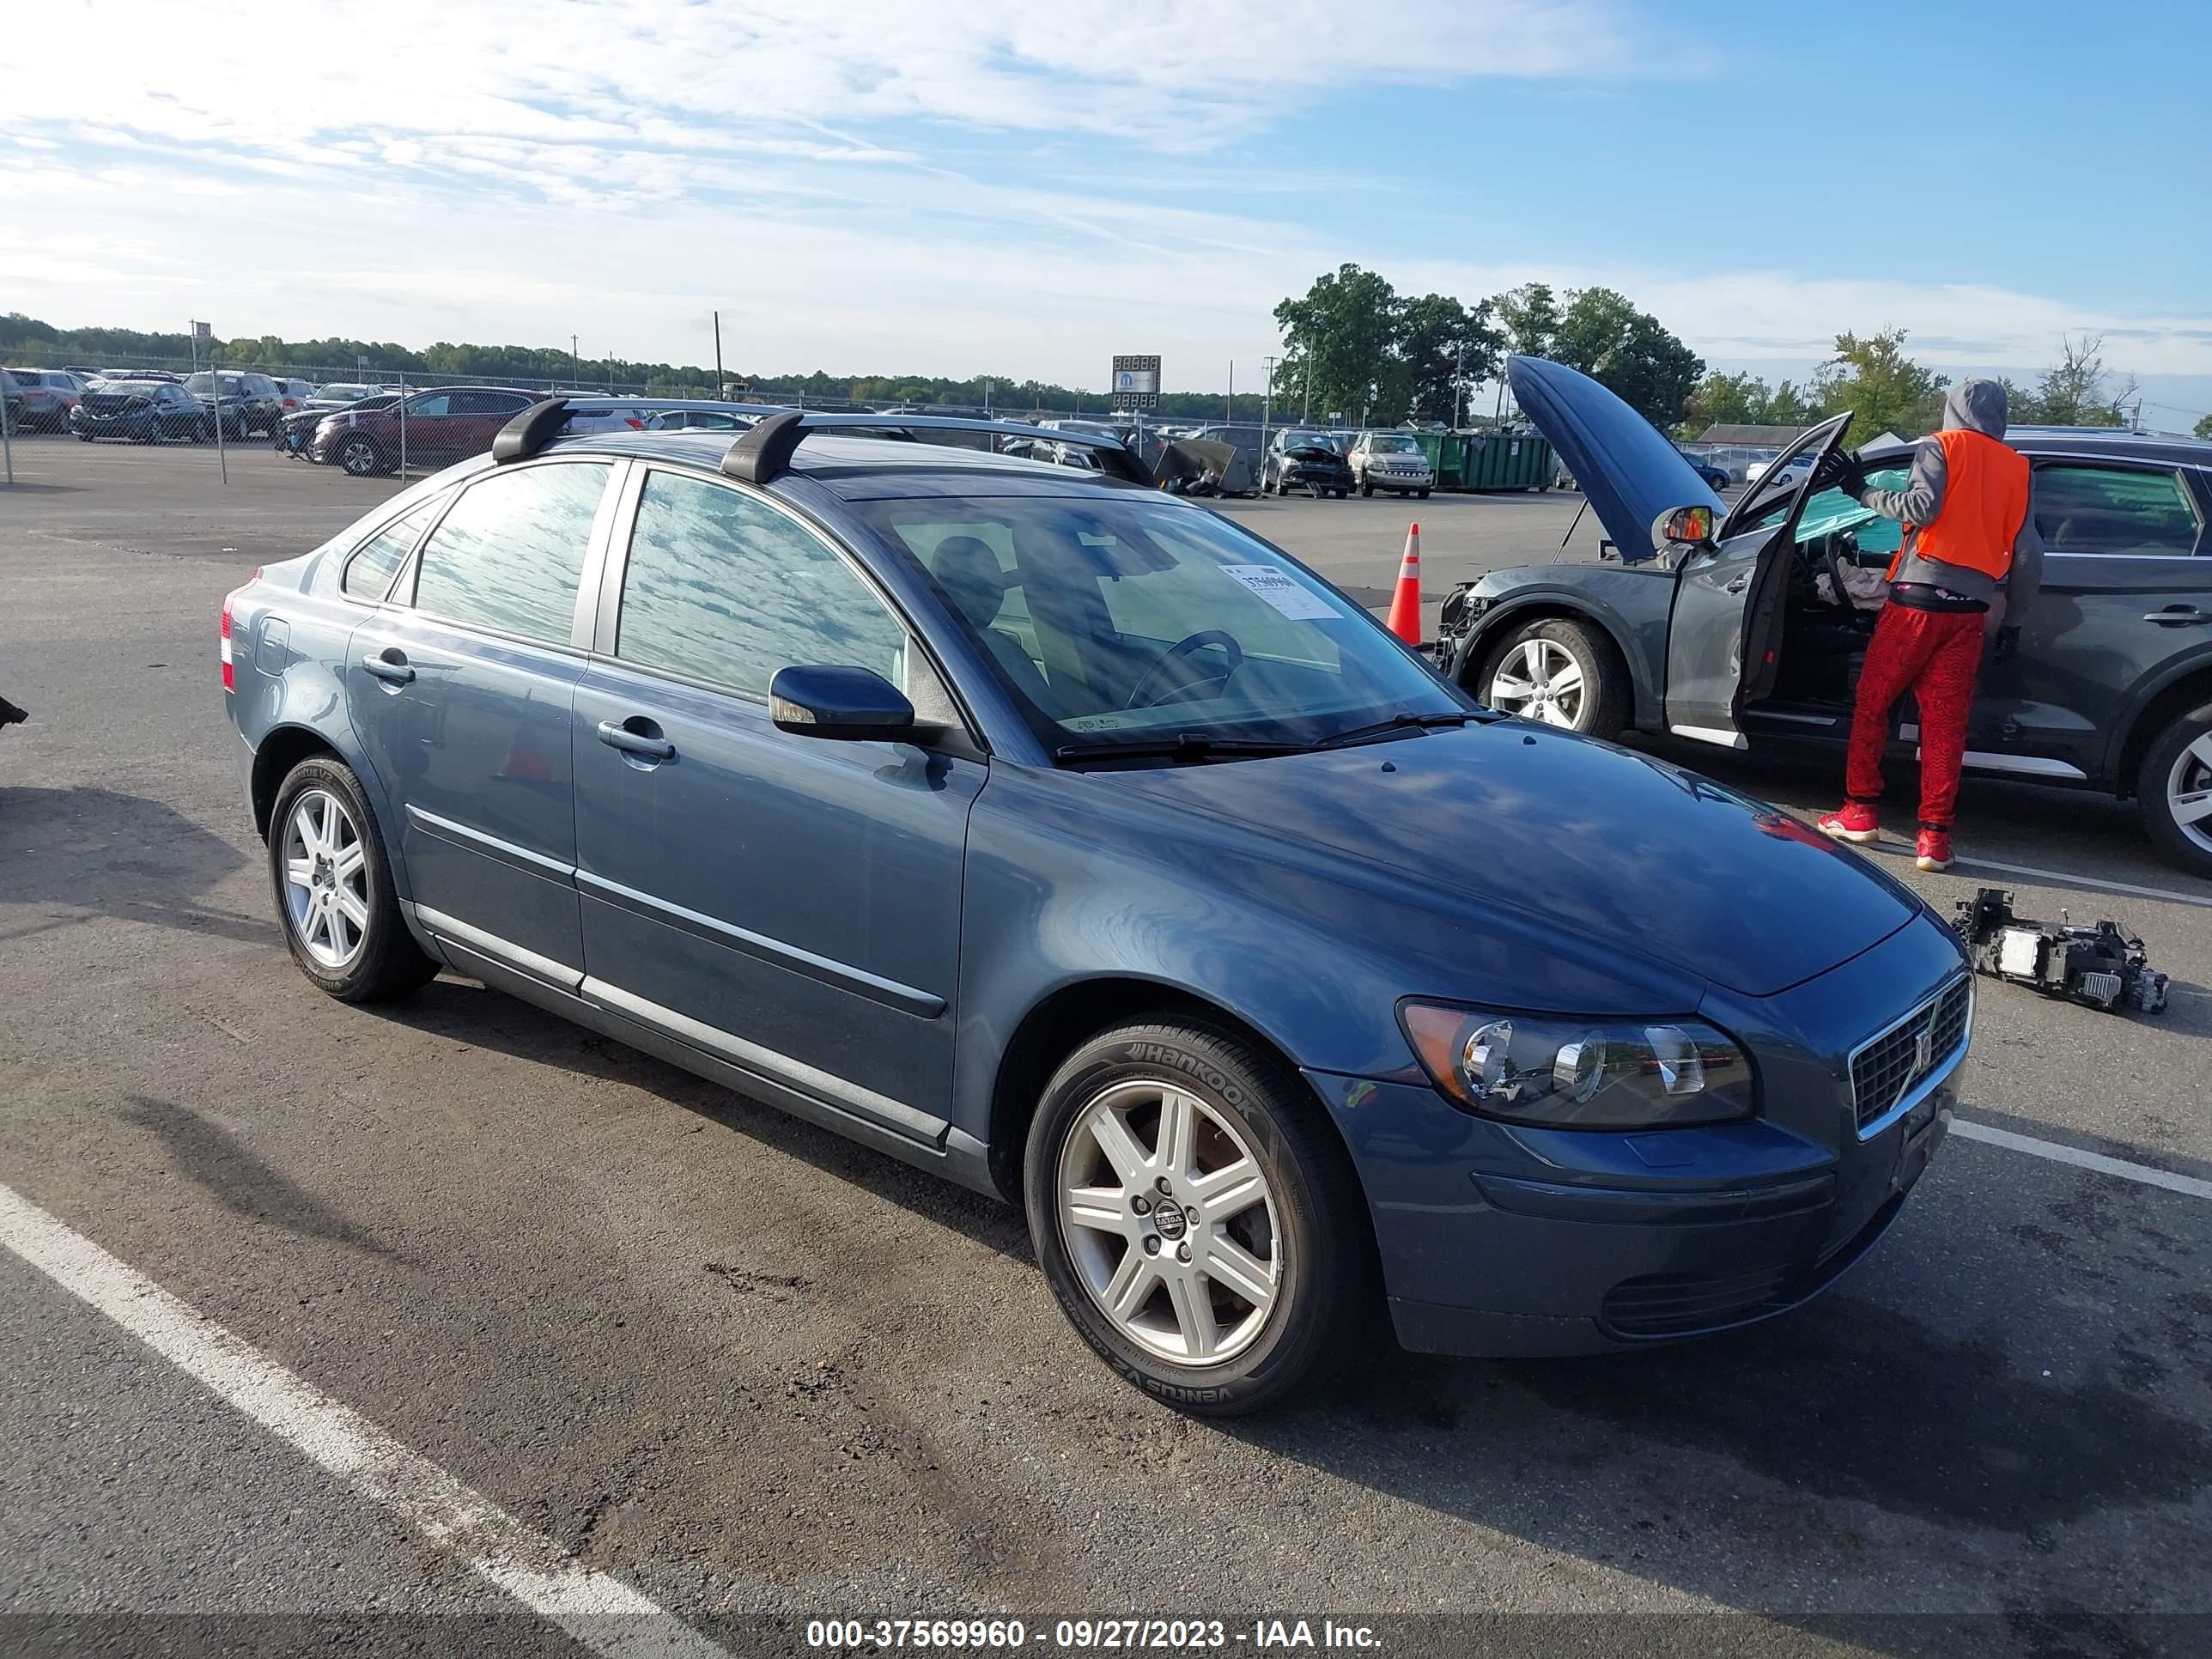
(223, 648)
(636, 425)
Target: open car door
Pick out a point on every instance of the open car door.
(1726, 630)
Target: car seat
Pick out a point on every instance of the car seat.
(967, 572)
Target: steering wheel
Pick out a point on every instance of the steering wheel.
(1177, 653)
(1842, 600)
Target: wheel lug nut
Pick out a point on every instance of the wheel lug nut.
(1165, 1184)
(1183, 1252)
(1151, 1245)
(1191, 1215)
(1141, 1205)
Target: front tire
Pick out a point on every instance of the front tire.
(1560, 672)
(335, 896)
(361, 457)
(2175, 789)
(1197, 1217)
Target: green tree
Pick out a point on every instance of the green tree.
(1530, 315)
(1442, 344)
(1341, 339)
(2204, 427)
(1883, 389)
(1629, 353)
(1746, 400)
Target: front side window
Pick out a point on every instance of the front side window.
(727, 590)
(1123, 619)
(436, 402)
(368, 573)
(508, 555)
(2113, 510)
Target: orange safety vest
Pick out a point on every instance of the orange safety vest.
(1985, 506)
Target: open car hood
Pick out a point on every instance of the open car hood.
(1626, 468)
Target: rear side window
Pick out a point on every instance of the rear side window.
(725, 590)
(370, 570)
(2112, 509)
(509, 555)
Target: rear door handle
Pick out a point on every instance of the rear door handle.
(2179, 616)
(393, 669)
(649, 745)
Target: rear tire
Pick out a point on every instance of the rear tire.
(1420, 495)
(1534, 660)
(1292, 1226)
(2175, 778)
(324, 841)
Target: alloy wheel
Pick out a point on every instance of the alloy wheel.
(326, 879)
(1171, 1223)
(358, 456)
(1539, 679)
(2188, 791)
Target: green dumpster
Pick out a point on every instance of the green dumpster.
(1507, 458)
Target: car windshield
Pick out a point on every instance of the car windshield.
(1308, 440)
(1125, 621)
(203, 383)
(1395, 445)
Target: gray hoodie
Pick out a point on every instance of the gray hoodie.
(1970, 406)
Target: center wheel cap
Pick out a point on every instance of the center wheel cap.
(1169, 1220)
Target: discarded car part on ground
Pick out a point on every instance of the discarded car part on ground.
(1195, 466)
(2103, 966)
(10, 715)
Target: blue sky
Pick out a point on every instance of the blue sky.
(933, 187)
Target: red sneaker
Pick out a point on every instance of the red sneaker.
(1853, 822)
(1932, 851)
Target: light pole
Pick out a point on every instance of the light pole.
(1267, 401)
(1307, 415)
(575, 370)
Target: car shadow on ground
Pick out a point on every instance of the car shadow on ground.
(87, 852)
(462, 1011)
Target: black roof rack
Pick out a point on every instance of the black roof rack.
(763, 454)
(530, 431)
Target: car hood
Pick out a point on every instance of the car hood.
(1626, 468)
(1622, 850)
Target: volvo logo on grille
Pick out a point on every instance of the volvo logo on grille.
(1923, 1045)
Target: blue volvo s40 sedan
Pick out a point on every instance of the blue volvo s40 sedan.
(1027, 824)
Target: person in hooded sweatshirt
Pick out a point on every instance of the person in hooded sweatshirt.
(1968, 570)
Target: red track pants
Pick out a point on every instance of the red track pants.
(1935, 655)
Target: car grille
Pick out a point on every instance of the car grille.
(1674, 1304)
(114, 406)
(1885, 1068)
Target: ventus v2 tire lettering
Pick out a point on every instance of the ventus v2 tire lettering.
(1197, 1217)
(332, 883)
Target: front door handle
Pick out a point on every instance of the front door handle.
(2179, 616)
(391, 667)
(1737, 585)
(648, 744)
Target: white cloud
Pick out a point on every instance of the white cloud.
(924, 185)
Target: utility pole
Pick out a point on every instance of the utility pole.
(1267, 400)
(1307, 416)
(575, 370)
(1459, 387)
(719, 383)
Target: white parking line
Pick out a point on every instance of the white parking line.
(2056, 878)
(2080, 1160)
(603, 1614)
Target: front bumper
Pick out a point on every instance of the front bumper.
(1501, 1240)
(136, 424)
(1401, 481)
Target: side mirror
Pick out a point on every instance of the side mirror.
(1690, 525)
(821, 701)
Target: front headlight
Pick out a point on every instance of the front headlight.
(1567, 1074)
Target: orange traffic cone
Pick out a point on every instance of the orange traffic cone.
(1406, 603)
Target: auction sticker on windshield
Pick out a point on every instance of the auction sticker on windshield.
(1277, 587)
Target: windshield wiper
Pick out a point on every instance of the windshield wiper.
(1185, 746)
(1397, 723)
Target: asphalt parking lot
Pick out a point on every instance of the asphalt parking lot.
(759, 1376)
